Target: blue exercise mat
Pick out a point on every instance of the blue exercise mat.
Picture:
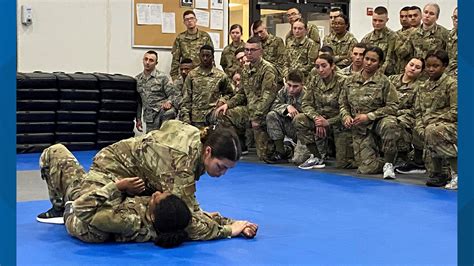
(305, 217)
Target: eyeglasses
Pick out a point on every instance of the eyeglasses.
(251, 50)
(189, 19)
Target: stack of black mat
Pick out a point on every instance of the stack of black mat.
(118, 108)
(37, 101)
(79, 100)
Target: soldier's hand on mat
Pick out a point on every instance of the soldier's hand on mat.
(139, 125)
(238, 227)
(292, 112)
(166, 105)
(348, 121)
(250, 231)
(360, 118)
(321, 122)
(221, 109)
(131, 185)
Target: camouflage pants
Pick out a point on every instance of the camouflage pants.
(366, 140)
(159, 118)
(238, 118)
(305, 129)
(65, 179)
(279, 126)
(406, 134)
(441, 140)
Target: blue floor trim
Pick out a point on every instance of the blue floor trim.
(305, 217)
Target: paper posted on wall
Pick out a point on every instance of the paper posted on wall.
(149, 14)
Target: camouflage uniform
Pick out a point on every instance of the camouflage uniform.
(259, 90)
(154, 90)
(301, 55)
(100, 212)
(401, 61)
(420, 41)
(187, 46)
(452, 49)
(377, 98)
(323, 100)
(274, 52)
(405, 117)
(279, 124)
(312, 33)
(436, 117)
(385, 40)
(342, 47)
(347, 71)
(202, 90)
(179, 86)
(229, 63)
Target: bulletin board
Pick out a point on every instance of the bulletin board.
(152, 35)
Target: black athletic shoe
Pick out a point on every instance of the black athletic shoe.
(411, 168)
(438, 180)
(276, 158)
(51, 216)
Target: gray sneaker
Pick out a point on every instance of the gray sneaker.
(388, 172)
(312, 162)
(453, 184)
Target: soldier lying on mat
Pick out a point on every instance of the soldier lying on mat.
(61, 171)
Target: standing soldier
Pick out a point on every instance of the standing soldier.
(452, 48)
(205, 89)
(382, 37)
(368, 103)
(254, 100)
(229, 63)
(187, 43)
(321, 119)
(157, 95)
(414, 16)
(273, 47)
(301, 51)
(429, 36)
(341, 41)
(185, 66)
(312, 32)
(402, 35)
(283, 112)
(357, 59)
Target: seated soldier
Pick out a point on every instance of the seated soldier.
(185, 66)
(283, 112)
(357, 56)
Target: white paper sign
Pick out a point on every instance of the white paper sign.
(204, 4)
(216, 39)
(202, 18)
(149, 14)
(217, 19)
(169, 24)
(217, 4)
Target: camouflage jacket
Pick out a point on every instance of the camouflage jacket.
(274, 52)
(312, 33)
(258, 90)
(406, 97)
(376, 97)
(203, 226)
(155, 90)
(282, 101)
(187, 46)
(179, 86)
(229, 63)
(342, 47)
(436, 101)
(401, 60)
(421, 41)
(301, 55)
(323, 99)
(452, 49)
(385, 40)
(202, 90)
(110, 214)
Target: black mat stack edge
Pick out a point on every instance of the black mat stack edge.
(37, 102)
(118, 108)
(83, 111)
